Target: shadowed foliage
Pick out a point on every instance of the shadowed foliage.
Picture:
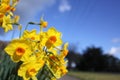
(93, 59)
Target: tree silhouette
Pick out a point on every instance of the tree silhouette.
(112, 63)
(73, 56)
(92, 59)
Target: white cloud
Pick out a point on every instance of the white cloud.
(114, 50)
(27, 9)
(64, 6)
(116, 40)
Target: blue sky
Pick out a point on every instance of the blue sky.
(82, 22)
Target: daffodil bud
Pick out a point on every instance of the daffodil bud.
(44, 24)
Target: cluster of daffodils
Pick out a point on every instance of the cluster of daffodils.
(7, 18)
(36, 52)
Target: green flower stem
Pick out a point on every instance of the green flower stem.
(41, 29)
(32, 23)
(20, 29)
(57, 48)
(52, 54)
(20, 33)
(26, 26)
(42, 72)
(50, 71)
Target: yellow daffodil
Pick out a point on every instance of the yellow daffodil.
(15, 19)
(58, 71)
(7, 25)
(35, 51)
(56, 62)
(39, 55)
(32, 35)
(64, 51)
(30, 69)
(53, 78)
(4, 8)
(42, 39)
(63, 70)
(18, 50)
(44, 24)
(1, 18)
(53, 38)
(5, 1)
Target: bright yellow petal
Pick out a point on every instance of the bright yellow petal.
(15, 50)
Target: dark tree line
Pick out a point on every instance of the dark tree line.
(93, 59)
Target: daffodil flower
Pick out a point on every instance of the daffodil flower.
(53, 38)
(30, 69)
(6, 24)
(19, 50)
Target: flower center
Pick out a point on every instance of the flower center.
(1, 15)
(53, 57)
(44, 24)
(8, 8)
(32, 38)
(65, 52)
(52, 39)
(31, 72)
(20, 51)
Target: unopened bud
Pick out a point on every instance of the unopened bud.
(44, 24)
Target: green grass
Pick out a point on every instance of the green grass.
(94, 76)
